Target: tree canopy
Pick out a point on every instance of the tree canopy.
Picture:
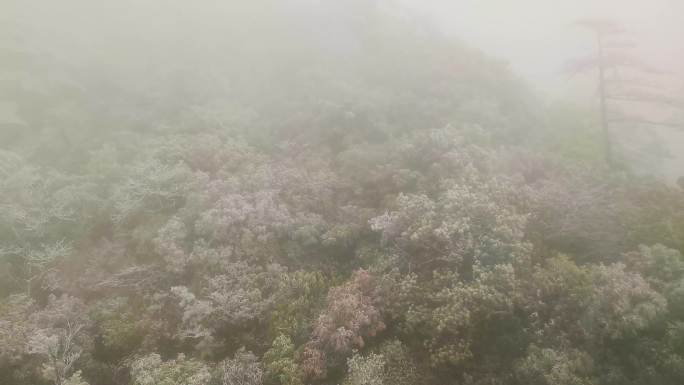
(351, 198)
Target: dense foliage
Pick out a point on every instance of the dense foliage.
(394, 210)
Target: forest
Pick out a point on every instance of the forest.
(298, 194)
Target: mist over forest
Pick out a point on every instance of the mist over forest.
(358, 192)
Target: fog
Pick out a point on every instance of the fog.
(538, 38)
(341, 192)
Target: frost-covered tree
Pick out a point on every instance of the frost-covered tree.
(548, 366)
(353, 314)
(59, 337)
(368, 370)
(471, 223)
(622, 303)
(152, 370)
(15, 329)
(243, 369)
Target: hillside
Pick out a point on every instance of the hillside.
(317, 193)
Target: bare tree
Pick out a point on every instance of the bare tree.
(613, 56)
(58, 336)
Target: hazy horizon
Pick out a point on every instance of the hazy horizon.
(539, 37)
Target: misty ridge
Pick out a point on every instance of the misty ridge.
(301, 192)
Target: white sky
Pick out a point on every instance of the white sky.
(538, 36)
